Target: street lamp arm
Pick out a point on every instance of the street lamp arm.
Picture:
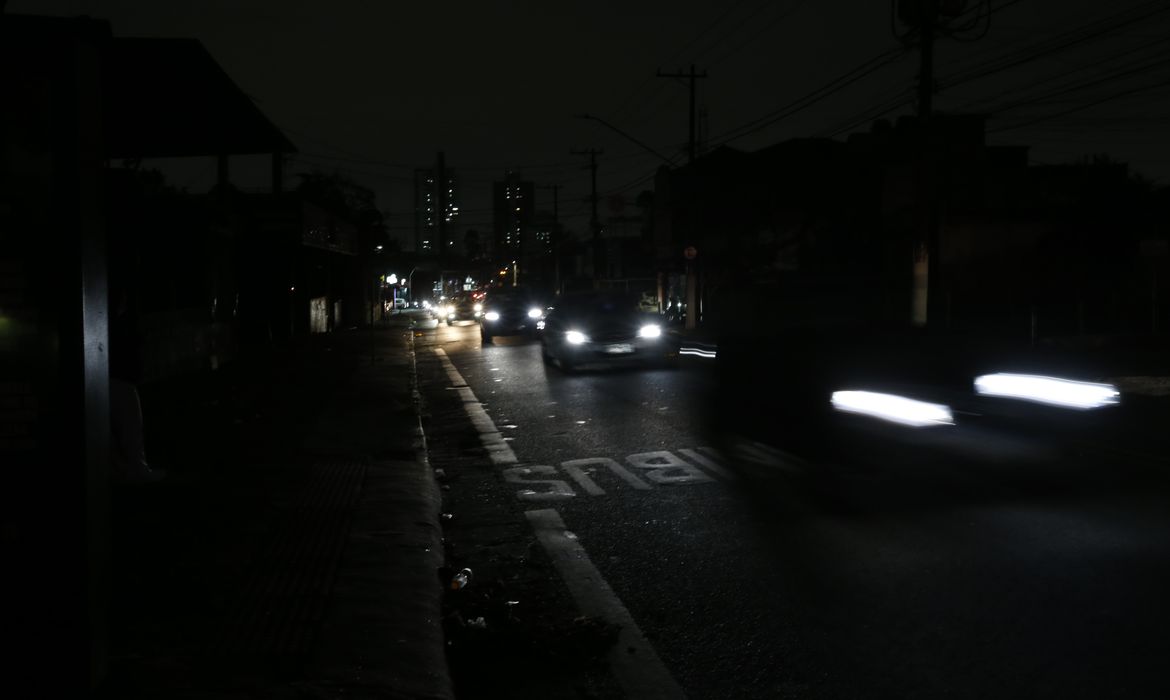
(625, 135)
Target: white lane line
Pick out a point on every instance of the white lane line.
(499, 451)
(635, 664)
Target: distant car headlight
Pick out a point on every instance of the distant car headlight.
(534, 313)
(478, 307)
(575, 337)
(650, 330)
(540, 325)
(426, 304)
(492, 316)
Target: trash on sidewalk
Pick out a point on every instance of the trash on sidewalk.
(461, 579)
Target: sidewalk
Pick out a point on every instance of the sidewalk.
(293, 550)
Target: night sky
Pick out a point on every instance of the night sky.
(374, 89)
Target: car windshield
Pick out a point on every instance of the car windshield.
(600, 304)
(509, 296)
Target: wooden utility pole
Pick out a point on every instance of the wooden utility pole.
(691, 76)
(594, 222)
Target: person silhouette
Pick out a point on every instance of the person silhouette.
(128, 449)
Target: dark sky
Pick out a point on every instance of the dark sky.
(374, 89)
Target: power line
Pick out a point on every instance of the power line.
(1066, 73)
(1094, 103)
(1111, 77)
(799, 5)
(1061, 42)
(613, 115)
(832, 87)
(1093, 30)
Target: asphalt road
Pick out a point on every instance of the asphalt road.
(979, 589)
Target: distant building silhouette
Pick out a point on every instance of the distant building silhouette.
(436, 209)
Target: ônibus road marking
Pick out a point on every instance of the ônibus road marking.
(635, 664)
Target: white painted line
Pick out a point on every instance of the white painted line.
(499, 451)
(635, 664)
(706, 463)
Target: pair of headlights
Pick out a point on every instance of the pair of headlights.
(650, 330)
(495, 316)
(1064, 393)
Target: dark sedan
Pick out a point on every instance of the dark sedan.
(605, 328)
(509, 311)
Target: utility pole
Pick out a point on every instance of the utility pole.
(594, 222)
(691, 76)
(926, 252)
(555, 237)
(926, 21)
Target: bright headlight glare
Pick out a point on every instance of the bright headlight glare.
(534, 313)
(651, 330)
(893, 408)
(1050, 390)
(575, 337)
(477, 307)
(492, 316)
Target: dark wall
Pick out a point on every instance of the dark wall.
(54, 400)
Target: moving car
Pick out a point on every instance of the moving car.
(462, 308)
(605, 328)
(509, 311)
(812, 412)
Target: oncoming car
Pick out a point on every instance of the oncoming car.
(462, 308)
(605, 328)
(509, 311)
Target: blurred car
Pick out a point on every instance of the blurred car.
(462, 308)
(605, 328)
(648, 303)
(808, 408)
(510, 311)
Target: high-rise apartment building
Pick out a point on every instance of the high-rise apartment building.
(513, 200)
(436, 208)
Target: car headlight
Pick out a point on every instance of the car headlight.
(492, 316)
(478, 307)
(893, 408)
(540, 325)
(650, 330)
(575, 337)
(534, 313)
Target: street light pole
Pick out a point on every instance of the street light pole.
(410, 283)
